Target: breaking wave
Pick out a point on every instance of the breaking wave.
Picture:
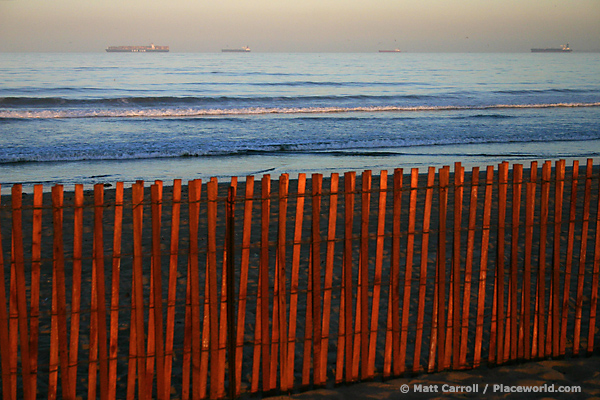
(188, 112)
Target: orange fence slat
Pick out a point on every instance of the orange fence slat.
(327, 288)
(440, 280)
(516, 215)
(483, 263)
(317, 183)
(60, 282)
(5, 352)
(362, 312)
(541, 292)
(156, 208)
(172, 284)
(464, 330)
(299, 218)
(264, 282)
(392, 338)
(115, 285)
(526, 298)
(34, 299)
(211, 278)
(349, 187)
(594, 287)
(243, 285)
(375, 298)
(459, 177)
(410, 242)
(423, 270)
(569, 258)
(137, 289)
(582, 256)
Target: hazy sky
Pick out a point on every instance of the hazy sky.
(300, 25)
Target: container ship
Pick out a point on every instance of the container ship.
(390, 51)
(245, 49)
(138, 49)
(563, 49)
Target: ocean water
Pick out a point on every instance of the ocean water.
(101, 118)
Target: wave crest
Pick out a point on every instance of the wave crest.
(216, 112)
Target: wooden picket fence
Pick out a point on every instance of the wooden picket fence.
(270, 287)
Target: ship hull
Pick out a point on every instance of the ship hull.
(551, 51)
(242, 50)
(138, 49)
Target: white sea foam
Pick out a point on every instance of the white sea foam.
(216, 112)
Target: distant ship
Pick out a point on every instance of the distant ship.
(245, 49)
(138, 49)
(390, 51)
(563, 49)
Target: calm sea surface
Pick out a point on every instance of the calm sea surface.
(90, 118)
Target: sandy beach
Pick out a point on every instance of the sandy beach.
(579, 376)
(571, 371)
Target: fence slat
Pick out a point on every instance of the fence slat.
(21, 296)
(230, 283)
(377, 276)
(137, 289)
(58, 276)
(392, 338)
(207, 332)
(34, 300)
(327, 289)
(410, 242)
(101, 292)
(423, 270)
(281, 339)
(459, 178)
(594, 288)
(361, 338)
(317, 182)
(172, 284)
(500, 247)
(483, 262)
(156, 208)
(513, 288)
(115, 285)
(243, 285)
(187, 339)
(192, 325)
(540, 349)
(212, 284)
(5, 348)
(464, 332)
(299, 218)
(349, 187)
(582, 256)
(308, 325)
(264, 281)
(440, 282)
(569, 259)
(526, 297)
(556, 260)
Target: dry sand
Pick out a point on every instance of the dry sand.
(576, 372)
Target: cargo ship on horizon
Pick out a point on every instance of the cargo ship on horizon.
(138, 49)
(244, 49)
(563, 49)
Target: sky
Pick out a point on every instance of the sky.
(299, 25)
